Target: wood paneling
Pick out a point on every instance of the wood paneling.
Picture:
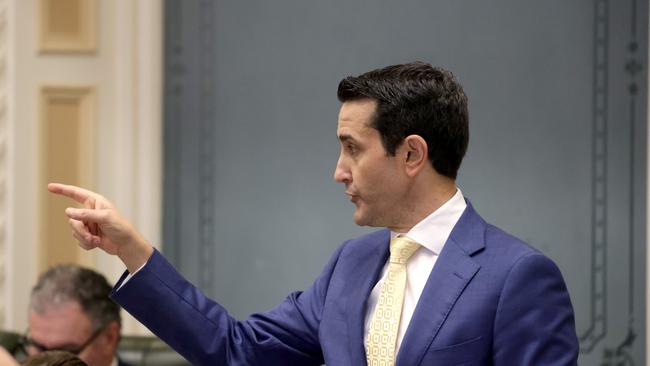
(68, 26)
(68, 120)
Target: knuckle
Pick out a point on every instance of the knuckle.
(103, 215)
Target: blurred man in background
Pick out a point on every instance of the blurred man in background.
(70, 310)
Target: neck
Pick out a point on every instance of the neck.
(424, 197)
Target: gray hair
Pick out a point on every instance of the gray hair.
(64, 283)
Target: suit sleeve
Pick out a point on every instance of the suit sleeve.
(534, 323)
(205, 334)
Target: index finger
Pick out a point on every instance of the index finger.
(76, 193)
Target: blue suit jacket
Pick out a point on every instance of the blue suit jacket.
(490, 300)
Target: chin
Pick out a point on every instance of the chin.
(363, 220)
(359, 219)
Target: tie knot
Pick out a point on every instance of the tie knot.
(402, 248)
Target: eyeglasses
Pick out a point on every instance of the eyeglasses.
(31, 347)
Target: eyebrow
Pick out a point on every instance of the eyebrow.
(346, 137)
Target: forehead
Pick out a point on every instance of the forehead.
(355, 116)
(59, 324)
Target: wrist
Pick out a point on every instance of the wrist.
(135, 254)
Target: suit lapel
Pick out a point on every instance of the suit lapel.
(453, 270)
(358, 287)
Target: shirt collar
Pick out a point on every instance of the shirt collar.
(432, 232)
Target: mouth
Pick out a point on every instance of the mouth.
(353, 197)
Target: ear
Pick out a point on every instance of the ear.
(112, 333)
(416, 154)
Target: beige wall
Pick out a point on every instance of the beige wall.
(117, 141)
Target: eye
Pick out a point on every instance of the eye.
(351, 148)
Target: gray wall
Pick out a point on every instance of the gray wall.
(557, 150)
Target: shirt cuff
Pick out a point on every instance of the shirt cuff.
(130, 275)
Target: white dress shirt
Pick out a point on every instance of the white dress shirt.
(431, 233)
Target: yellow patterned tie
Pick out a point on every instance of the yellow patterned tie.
(382, 335)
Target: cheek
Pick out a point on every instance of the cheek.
(368, 174)
(376, 176)
(93, 353)
(382, 178)
(389, 188)
(87, 355)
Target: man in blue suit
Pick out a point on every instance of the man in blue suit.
(437, 286)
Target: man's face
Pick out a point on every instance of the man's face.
(67, 327)
(374, 180)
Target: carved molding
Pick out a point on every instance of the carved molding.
(68, 26)
(598, 320)
(68, 124)
(618, 351)
(206, 144)
(3, 159)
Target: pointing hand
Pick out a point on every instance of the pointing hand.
(100, 225)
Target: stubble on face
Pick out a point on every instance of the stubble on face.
(372, 178)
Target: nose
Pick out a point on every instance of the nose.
(341, 172)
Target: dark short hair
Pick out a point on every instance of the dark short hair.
(416, 99)
(68, 282)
